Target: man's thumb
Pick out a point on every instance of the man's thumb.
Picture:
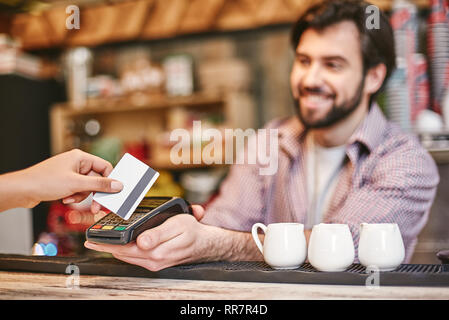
(198, 211)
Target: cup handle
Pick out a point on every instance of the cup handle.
(256, 236)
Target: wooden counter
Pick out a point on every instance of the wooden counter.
(22, 285)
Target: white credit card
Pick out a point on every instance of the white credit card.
(137, 179)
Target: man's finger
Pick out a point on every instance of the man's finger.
(129, 249)
(166, 231)
(133, 260)
(145, 262)
(198, 211)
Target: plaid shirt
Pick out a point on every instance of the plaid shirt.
(387, 177)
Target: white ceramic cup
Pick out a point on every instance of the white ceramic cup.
(381, 246)
(331, 247)
(284, 245)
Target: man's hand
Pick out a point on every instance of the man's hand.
(180, 239)
(183, 239)
(70, 176)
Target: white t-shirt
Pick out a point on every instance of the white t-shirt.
(323, 166)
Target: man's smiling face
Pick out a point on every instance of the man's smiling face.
(327, 78)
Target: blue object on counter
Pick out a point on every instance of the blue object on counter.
(50, 250)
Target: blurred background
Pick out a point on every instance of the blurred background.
(117, 76)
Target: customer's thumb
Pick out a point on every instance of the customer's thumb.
(100, 184)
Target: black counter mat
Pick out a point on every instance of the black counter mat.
(404, 275)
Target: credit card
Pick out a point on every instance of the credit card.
(137, 179)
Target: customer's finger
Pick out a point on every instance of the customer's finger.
(97, 184)
(76, 198)
(95, 207)
(89, 162)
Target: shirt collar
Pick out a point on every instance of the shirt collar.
(369, 133)
(291, 134)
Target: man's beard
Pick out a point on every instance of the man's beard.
(336, 113)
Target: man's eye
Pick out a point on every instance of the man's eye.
(303, 62)
(333, 65)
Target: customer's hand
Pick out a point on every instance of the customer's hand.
(70, 176)
(180, 239)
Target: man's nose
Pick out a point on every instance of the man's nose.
(312, 76)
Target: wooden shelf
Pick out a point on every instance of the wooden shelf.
(145, 116)
(141, 102)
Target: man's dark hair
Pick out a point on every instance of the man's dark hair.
(377, 44)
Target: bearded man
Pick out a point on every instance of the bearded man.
(340, 160)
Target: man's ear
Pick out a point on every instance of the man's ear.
(375, 78)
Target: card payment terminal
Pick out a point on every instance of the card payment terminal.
(151, 212)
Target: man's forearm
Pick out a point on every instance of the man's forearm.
(229, 245)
